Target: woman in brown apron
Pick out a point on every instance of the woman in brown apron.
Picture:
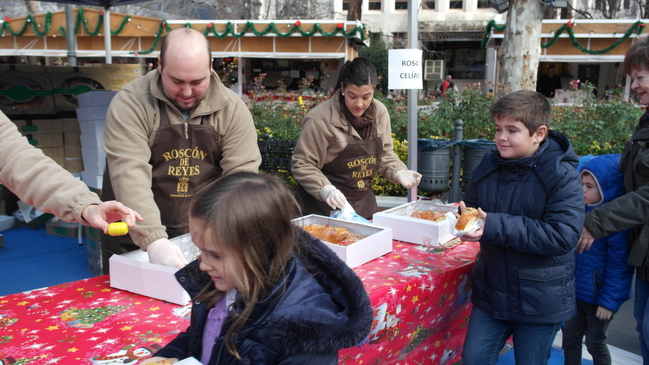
(344, 142)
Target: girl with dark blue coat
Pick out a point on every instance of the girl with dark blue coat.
(602, 275)
(264, 291)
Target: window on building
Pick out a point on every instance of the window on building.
(345, 5)
(465, 60)
(374, 4)
(400, 40)
(429, 5)
(455, 4)
(401, 4)
(483, 4)
(434, 70)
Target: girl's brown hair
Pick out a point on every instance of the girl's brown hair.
(249, 215)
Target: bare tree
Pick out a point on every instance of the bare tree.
(643, 8)
(355, 7)
(520, 51)
(610, 9)
(297, 9)
(163, 9)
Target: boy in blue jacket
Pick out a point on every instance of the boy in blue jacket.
(529, 195)
(602, 275)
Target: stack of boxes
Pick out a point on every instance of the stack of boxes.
(91, 115)
(46, 134)
(72, 145)
(121, 74)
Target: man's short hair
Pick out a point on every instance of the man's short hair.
(184, 32)
(529, 107)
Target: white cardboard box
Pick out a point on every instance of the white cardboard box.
(91, 140)
(94, 167)
(415, 230)
(377, 243)
(95, 126)
(133, 272)
(89, 113)
(6, 222)
(93, 154)
(97, 97)
(92, 180)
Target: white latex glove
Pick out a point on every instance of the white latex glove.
(165, 252)
(334, 197)
(408, 178)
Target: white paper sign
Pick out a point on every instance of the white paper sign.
(405, 69)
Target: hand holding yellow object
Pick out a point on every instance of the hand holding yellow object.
(117, 229)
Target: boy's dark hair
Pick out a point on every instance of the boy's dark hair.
(637, 56)
(529, 107)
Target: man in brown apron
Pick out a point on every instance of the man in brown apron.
(167, 133)
(181, 161)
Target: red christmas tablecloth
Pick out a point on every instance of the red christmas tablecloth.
(421, 305)
(420, 301)
(85, 322)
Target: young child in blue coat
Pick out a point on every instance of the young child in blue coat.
(530, 196)
(602, 275)
(264, 291)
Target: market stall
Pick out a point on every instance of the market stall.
(291, 49)
(420, 298)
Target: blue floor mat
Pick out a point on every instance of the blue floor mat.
(556, 358)
(32, 259)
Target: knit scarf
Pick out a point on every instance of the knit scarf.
(362, 124)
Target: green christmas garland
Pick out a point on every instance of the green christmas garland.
(637, 27)
(30, 20)
(250, 27)
(230, 30)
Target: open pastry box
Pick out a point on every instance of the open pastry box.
(414, 230)
(378, 240)
(133, 272)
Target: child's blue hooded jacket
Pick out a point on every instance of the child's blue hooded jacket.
(602, 275)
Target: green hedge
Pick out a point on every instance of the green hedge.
(594, 126)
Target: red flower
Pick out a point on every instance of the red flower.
(641, 24)
(570, 23)
(297, 23)
(209, 26)
(339, 25)
(7, 19)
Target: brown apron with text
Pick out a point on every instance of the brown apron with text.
(181, 159)
(351, 172)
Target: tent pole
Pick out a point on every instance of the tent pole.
(71, 36)
(109, 57)
(413, 43)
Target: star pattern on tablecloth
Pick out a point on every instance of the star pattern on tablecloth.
(421, 294)
(55, 311)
